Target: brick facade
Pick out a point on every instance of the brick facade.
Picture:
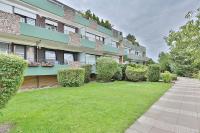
(9, 23)
(74, 39)
(69, 13)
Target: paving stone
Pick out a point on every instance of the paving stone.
(178, 111)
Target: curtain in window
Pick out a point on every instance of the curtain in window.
(30, 54)
(68, 58)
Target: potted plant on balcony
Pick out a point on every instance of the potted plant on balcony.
(47, 64)
(33, 64)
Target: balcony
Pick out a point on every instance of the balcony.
(81, 20)
(47, 6)
(104, 30)
(38, 32)
(138, 58)
(109, 48)
(42, 71)
(88, 44)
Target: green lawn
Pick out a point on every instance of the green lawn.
(93, 108)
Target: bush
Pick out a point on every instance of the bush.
(11, 76)
(153, 73)
(118, 75)
(166, 77)
(106, 68)
(88, 71)
(124, 66)
(199, 75)
(174, 77)
(72, 77)
(135, 73)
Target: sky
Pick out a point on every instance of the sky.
(149, 20)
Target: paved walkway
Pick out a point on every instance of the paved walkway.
(178, 111)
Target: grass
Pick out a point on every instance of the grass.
(93, 108)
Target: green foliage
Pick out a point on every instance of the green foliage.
(174, 76)
(166, 77)
(88, 71)
(136, 73)
(72, 77)
(153, 73)
(150, 62)
(132, 39)
(118, 75)
(11, 76)
(184, 46)
(164, 62)
(123, 66)
(106, 68)
(89, 15)
(199, 75)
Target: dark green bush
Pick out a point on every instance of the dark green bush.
(166, 77)
(118, 75)
(88, 71)
(136, 73)
(123, 66)
(72, 77)
(153, 73)
(106, 68)
(11, 76)
(174, 77)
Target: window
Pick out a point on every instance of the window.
(144, 54)
(127, 50)
(68, 58)
(90, 36)
(51, 25)
(114, 44)
(99, 38)
(131, 51)
(50, 56)
(30, 54)
(4, 47)
(137, 53)
(90, 59)
(68, 29)
(19, 50)
(27, 20)
(6, 8)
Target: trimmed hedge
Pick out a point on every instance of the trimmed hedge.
(118, 75)
(88, 71)
(166, 77)
(136, 73)
(153, 73)
(106, 68)
(11, 76)
(71, 77)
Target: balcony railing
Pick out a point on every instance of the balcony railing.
(44, 70)
(139, 58)
(104, 30)
(81, 20)
(88, 44)
(109, 48)
(38, 32)
(47, 6)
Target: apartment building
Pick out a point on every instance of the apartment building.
(51, 36)
(134, 53)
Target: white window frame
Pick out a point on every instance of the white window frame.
(50, 56)
(68, 58)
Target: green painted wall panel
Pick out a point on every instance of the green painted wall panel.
(104, 30)
(109, 48)
(81, 20)
(88, 44)
(47, 6)
(34, 31)
(34, 71)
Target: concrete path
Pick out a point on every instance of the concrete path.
(178, 111)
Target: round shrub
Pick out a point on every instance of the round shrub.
(118, 75)
(106, 68)
(136, 74)
(166, 77)
(11, 76)
(88, 71)
(153, 73)
(72, 77)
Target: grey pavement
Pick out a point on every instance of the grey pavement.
(177, 111)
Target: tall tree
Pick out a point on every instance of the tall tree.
(165, 62)
(185, 46)
(132, 39)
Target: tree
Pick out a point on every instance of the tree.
(150, 62)
(165, 62)
(185, 47)
(132, 39)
